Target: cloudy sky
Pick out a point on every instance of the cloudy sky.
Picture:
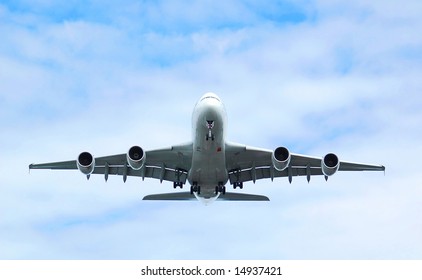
(316, 76)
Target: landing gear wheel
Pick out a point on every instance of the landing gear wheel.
(210, 137)
(220, 189)
(237, 185)
(195, 188)
(177, 184)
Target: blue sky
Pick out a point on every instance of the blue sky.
(316, 76)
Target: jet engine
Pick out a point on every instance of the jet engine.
(136, 157)
(281, 158)
(86, 163)
(330, 164)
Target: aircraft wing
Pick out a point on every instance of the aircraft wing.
(250, 164)
(168, 164)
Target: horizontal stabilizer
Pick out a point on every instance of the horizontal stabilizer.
(225, 197)
(171, 196)
(242, 197)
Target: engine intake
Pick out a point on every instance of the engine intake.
(330, 164)
(86, 163)
(136, 157)
(281, 158)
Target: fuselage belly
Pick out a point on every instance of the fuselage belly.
(208, 168)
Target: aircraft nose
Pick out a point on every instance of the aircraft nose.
(212, 113)
(210, 96)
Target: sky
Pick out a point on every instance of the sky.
(316, 76)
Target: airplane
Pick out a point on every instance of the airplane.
(209, 162)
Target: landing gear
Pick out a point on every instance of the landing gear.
(220, 189)
(238, 185)
(178, 184)
(195, 189)
(210, 135)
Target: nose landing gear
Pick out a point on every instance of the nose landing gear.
(210, 135)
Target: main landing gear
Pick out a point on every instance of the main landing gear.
(220, 189)
(178, 184)
(238, 185)
(195, 189)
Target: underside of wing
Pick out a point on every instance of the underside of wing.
(250, 164)
(63, 165)
(168, 164)
(353, 166)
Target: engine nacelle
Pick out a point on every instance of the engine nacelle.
(330, 164)
(86, 163)
(281, 158)
(136, 157)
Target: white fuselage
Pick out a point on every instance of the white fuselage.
(208, 168)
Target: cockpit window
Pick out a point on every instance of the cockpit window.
(210, 96)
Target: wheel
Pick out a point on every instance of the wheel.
(238, 185)
(195, 188)
(177, 184)
(220, 189)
